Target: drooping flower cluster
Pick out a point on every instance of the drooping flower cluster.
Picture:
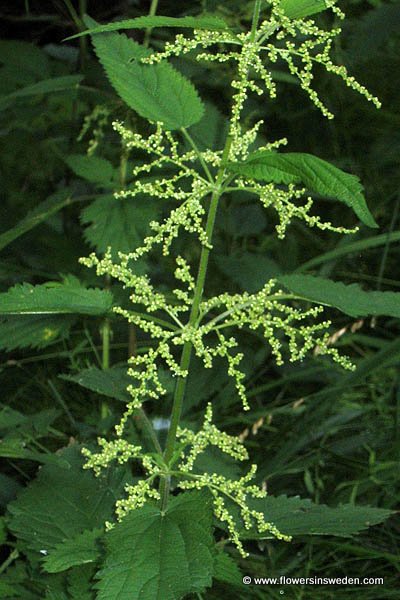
(300, 43)
(185, 186)
(230, 497)
(167, 323)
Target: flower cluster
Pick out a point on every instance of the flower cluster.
(185, 186)
(166, 324)
(230, 498)
(300, 43)
(176, 171)
(225, 491)
(96, 121)
(287, 206)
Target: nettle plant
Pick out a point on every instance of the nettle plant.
(173, 507)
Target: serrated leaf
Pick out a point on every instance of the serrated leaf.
(316, 174)
(350, 299)
(92, 168)
(108, 382)
(201, 22)
(40, 213)
(55, 298)
(298, 9)
(61, 503)
(47, 86)
(157, 92)
(33, 331)
(119, 223)
(227, 570)
(297, 516)
(154, 555)
(81, 549)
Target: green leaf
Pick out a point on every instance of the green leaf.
(108, 382)
(9, 488)
(3, 531)
(80, 582)
(226, 570)
(22, 63)
(47, 86)
(79, 550)
(316, 174)
(155, 555)
(157, 92)
(207, 22)
(33, 331)
(211, 131)
(15, 449)
(298, 9)
(350, 299)
(32, 426)
(62, 503)
(43, 211)
(351, 248)
(119, 223)
(55, 298)
(297, 516)
(8, 591)
(92, 168)
(248, 270)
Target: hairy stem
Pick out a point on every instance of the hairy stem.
(194, 313)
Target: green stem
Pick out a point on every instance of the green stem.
(105, 358)
(188, 346)
(148, 427)
(152, 12)
(198, 154)
(106, 335)
(256, 18)
(13, 556)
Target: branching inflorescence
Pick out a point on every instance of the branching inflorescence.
(182, 319)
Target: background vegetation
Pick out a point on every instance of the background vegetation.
(314, 430)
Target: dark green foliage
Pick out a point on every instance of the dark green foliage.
(157, 92)
(326, 442)
(350, 299)
(117, 222)
(108, 382)
(140, 562)
(316, 174)
(80, 503)
(296, 516)
(69, 297)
